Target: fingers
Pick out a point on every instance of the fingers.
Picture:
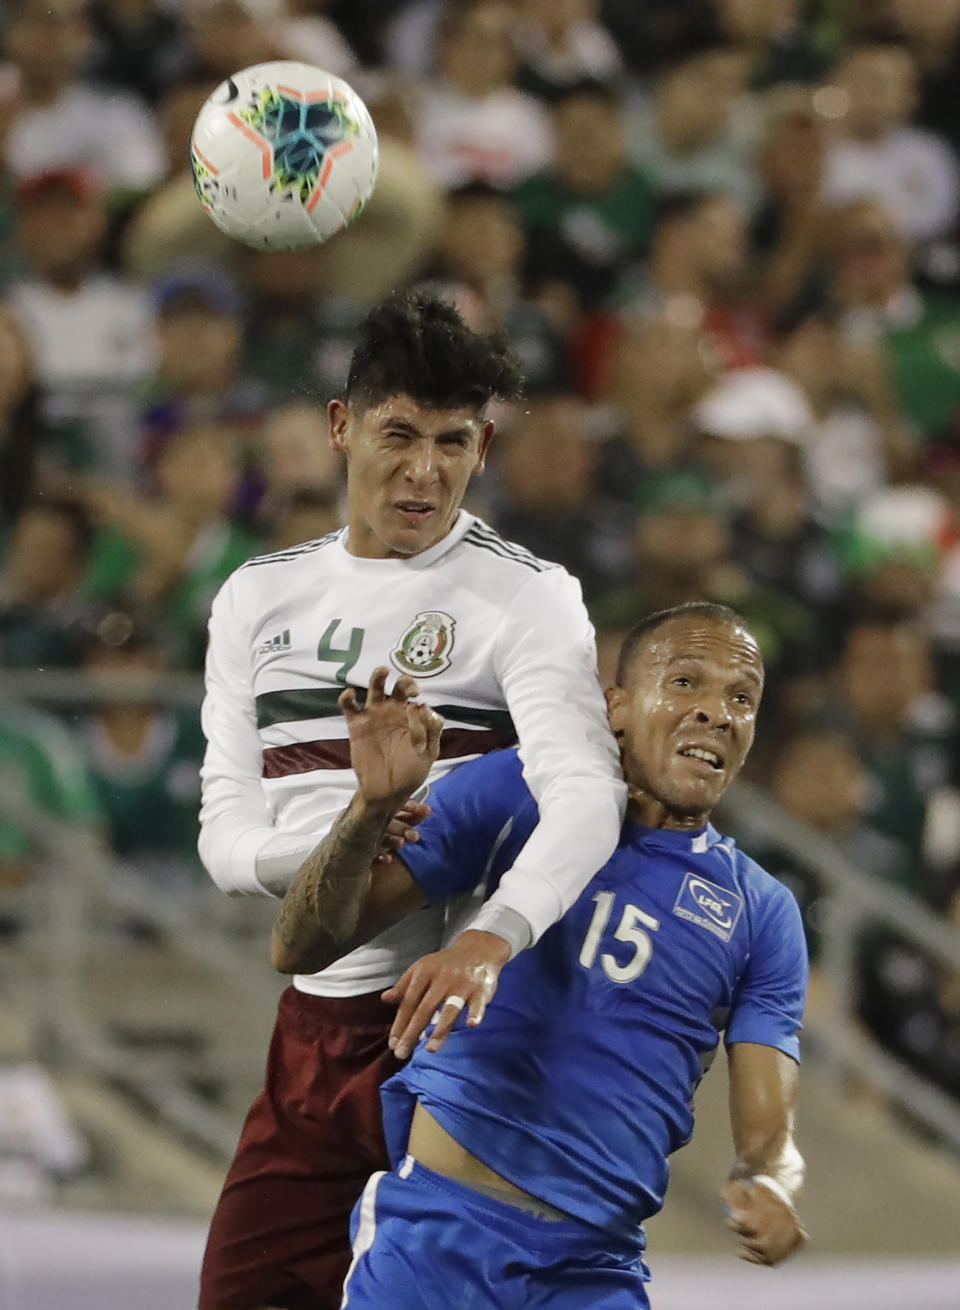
(476, 1008)
(424, 997)
(347, 700)
(433, 726)
(409, 991)
(378, 681)
(769, 1231)
(405, 689)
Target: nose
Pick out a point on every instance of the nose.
(714, 714)
(421, 464)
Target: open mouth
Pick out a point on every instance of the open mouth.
(709, 757)
(414, 510)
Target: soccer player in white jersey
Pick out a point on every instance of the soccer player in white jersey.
(501, 646)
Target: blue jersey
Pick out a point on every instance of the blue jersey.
(578, 1084)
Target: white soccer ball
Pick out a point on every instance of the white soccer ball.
(283, 155)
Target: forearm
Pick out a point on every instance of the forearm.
(562, 854)
(321, 909)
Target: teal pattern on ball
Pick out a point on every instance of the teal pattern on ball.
(300, 134)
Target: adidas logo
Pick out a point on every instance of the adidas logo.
(280, 642)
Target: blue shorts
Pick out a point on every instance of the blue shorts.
(425, 1242)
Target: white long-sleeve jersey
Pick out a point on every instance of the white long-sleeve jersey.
(500, 645)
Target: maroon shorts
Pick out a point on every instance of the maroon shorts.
(280, 1233)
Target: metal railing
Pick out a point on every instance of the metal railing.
(852, 900)
(79, 884)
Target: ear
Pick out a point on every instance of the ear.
(338, 415)
(486, 436)
(618, 709)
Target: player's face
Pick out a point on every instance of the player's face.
(407, 471)
(686, 720)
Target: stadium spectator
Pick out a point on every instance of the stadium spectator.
(472, 123)
(307, 515)
(686, 133)
(57, 119)
(560, 43)
(43, 759)
(697, 274)
(932, 34)
(788, 229)
(295, 454)
(873, 299)
(139, 46)
(878, 154)
(774, 39)
(199, 377)
(860, 437)
(753, 429)
(175, 549)
(22, 432)
(479, 265)
(225, 35)
(590, 215)
(653, 375)
(91, 331)
(143, 760)
(547, 474)
(43, 605)
(683, 551)
(885, 699)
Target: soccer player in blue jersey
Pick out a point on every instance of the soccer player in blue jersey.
(530, 1150)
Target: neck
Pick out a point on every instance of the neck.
(649, 812)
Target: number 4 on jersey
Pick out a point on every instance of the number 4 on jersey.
(345, 656)
(627, 931)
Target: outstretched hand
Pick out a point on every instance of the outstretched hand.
(393, 742)
(467, 971)
(769, 1229)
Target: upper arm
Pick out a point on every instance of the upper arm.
(233, 760)
(546, 662)
(473, 809)
(770, 996)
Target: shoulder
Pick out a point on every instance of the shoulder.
(496, 552)
(292, 557)
(767, 899)
(266, 581)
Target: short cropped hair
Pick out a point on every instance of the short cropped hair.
(417, 344)
(638, 634)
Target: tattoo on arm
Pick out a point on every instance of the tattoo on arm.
(320, 912)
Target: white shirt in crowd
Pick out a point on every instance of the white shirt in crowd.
(93, 349)
(109, 132)
(501, 138)
(499, 642)
(912, 172)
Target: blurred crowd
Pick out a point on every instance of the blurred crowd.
(723, 237)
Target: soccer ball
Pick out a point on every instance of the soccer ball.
(283, 155)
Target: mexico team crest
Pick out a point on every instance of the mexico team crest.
(424, 649)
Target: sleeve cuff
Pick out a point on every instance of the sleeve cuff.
(505, 923)
(531, 896)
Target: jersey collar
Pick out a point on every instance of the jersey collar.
(691, 841)
(461, 525)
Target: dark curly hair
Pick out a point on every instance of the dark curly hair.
(416, 344)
